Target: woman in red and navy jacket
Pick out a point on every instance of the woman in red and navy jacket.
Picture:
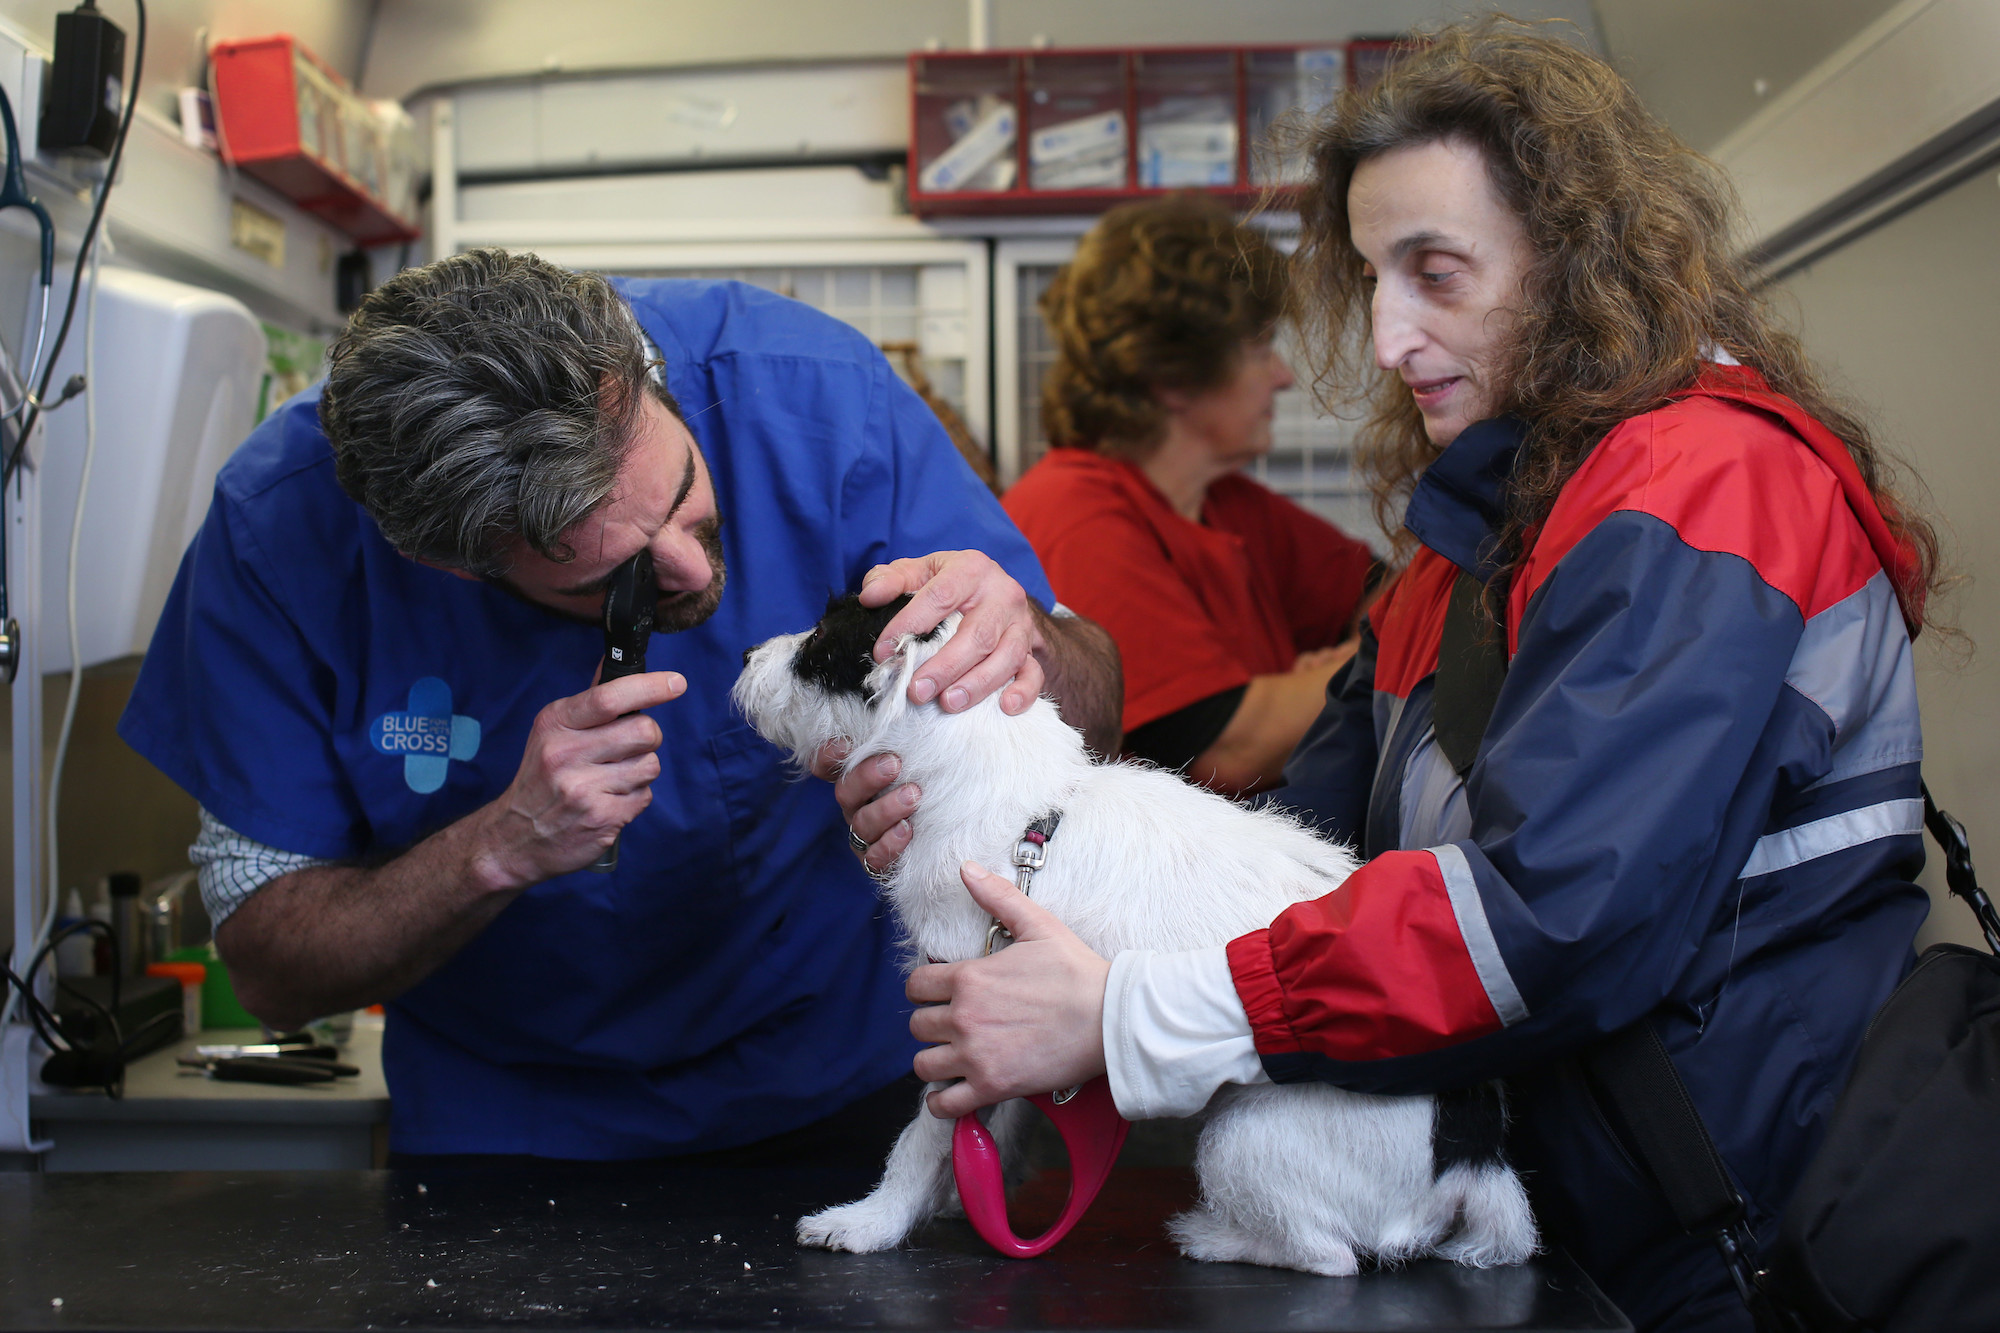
(1696, 803)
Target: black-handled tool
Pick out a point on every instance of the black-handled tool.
(268, 1069)
(629, 604)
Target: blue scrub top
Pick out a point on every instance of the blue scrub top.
(737, 976)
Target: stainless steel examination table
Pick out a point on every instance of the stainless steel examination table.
(660, 1247)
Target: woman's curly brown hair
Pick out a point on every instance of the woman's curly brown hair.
(1161, 294)
(1633, 273)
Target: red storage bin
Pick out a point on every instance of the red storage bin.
(291, 122)
(1078, 131)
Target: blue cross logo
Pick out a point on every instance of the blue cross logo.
(428, 737)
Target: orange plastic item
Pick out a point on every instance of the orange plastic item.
(1091, 1129)
(188, 974)
(191, 976)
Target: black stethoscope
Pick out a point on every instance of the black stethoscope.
(14, 194)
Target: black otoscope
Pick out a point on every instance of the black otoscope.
(628, 623)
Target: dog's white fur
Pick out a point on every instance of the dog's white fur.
(1301, 1176)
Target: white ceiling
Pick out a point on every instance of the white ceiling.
(1698, 62)
(422, 43)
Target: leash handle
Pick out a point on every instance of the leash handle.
(1092, 1131)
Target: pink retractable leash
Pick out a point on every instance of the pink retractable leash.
(1085, 1115)
(1091, 1129)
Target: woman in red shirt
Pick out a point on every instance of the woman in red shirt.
(1232, 607)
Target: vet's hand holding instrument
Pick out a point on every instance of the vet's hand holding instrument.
(629, 604)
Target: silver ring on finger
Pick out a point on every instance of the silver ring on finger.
(857, 842)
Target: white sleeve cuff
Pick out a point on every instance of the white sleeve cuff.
(1174, 1032)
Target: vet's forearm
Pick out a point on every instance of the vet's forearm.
(1084, 678)
(331, 938)
(1276, 710)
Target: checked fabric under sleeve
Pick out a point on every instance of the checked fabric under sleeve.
(231, 867)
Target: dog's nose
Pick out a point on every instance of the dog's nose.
(747, 652)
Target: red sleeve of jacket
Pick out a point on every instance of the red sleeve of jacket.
(1377, 968)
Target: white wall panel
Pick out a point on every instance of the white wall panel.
(1910, 77)
(1906, 319)
(581, 124)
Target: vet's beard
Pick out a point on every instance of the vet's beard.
(675, 611)
(684, 610)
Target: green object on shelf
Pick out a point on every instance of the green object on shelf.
(219, 1007)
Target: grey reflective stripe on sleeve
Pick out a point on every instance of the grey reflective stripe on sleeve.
(1854, 662)
(1835, 833)
(232, 867)
(1061, 612)
(1477, 933)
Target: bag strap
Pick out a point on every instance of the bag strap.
(1472, 666)
(1959, 876)
(1660, 1124)
(1631, 1069)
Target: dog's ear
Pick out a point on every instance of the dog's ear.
(889, 682)
(912, 651)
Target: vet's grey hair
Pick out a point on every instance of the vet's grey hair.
(485, 397)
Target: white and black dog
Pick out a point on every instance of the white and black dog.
(1300, 1176)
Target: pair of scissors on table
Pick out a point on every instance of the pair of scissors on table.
(270, 1062)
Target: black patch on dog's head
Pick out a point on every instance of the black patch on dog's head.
(838, 655)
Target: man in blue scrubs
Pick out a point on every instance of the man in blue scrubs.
(375, 674)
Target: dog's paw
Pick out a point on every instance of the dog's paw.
(1204, 1235)
(859, 1228)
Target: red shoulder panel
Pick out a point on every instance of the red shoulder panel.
(1408, 619)
(1728, 477)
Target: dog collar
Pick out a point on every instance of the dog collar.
(1030, 854)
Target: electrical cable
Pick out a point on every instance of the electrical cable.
(50, 851)
(28, 423)
(48, 1026)
(83, 251)
(51, 843)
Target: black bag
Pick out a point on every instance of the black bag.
(1895, 1225)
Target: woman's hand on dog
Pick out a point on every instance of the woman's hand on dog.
(877, 813)
(1028, 1018)
(997, 642)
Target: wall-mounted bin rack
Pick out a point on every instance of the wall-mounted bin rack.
(1076, 131)
(294, 124)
